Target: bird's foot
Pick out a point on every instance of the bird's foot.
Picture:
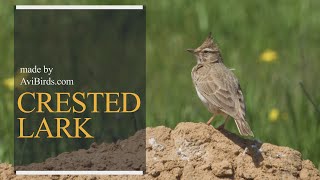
(210, 120)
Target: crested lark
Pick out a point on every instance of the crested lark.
(217, 87)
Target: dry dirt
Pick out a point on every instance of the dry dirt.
(191, 151)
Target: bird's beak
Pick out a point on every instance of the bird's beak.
(190, 50)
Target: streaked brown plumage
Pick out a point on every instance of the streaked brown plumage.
(217, 86)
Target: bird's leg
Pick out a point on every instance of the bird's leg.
(210, 120)
(221, 127)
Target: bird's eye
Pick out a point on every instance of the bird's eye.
(206, 51)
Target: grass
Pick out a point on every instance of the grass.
(243, 30)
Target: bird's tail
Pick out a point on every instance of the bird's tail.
(243, 127)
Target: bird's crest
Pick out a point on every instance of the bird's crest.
(209, 43)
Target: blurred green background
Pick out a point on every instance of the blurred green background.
(272, 45)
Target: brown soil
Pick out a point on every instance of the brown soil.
(191, 151)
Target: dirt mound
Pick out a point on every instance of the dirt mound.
(125, 155)
(198, 151)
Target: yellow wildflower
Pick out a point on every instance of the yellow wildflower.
(9, 83)
(269, 55)
(274, 114)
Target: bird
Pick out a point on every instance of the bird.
(217, 86)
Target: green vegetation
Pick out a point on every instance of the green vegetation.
(273, 45)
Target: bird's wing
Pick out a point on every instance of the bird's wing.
(223, 90)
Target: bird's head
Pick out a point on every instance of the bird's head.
(208, 52)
